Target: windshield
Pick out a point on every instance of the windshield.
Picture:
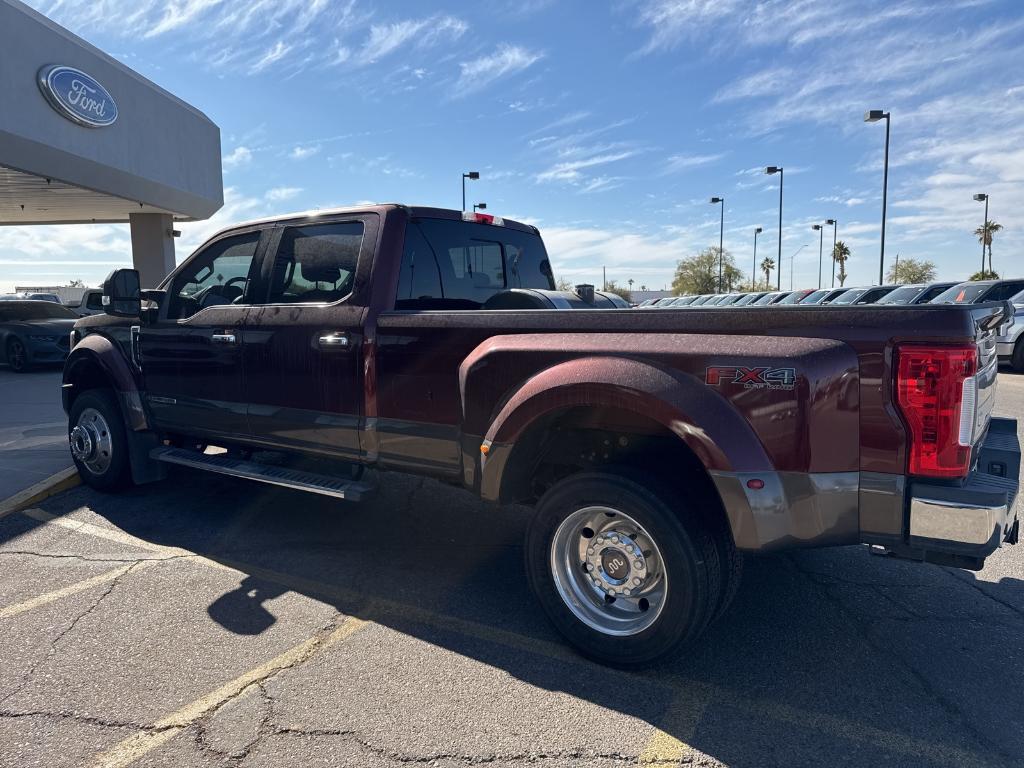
(850, 296)
(964, 293)
(767, 298)
(794, 298)
(812, 298)
(902, 295)
(34, 310)
(1018, 299)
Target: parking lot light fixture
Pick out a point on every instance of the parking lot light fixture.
(821, 238)
(873, 116)
(771, 170)
(479, 207)
(472, 176)
(835, 226)
(753, 272)
(721, 232)
(982, 197)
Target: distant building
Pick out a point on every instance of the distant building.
(67, 294)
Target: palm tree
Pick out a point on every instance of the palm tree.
(767, 266)
(839, 255)
(984, 234)
(643, 287)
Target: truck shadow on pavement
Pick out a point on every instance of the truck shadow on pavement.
(825, 658)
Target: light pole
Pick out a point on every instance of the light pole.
(721, 231)
(984, 225)
(835, 226)
(792, 264)
(821, 240)
(753, 272)
(873, 116)
(771, 170)
(479, 207)
(472, 176)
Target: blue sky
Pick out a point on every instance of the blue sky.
(609, 125)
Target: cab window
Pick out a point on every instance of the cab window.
(220, 274)
(316, 264)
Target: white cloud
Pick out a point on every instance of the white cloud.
(677, 163)
(278, 194)
(385, 39)
(479, 73)
(273, 54)
(302, 152)
(572, 170)
(239, 156)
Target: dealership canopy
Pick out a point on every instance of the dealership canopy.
(83, 139)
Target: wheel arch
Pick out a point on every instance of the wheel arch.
(97, 362)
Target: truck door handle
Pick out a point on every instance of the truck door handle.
(223, 338)
(334, 340)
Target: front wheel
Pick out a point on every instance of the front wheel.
(99, 445)
(17, 355)
(623, 576)
(1017, 360)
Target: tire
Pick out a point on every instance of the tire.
(1017, 361)
(679, 572)
(99, 445)
(730, 561)
(17, 355)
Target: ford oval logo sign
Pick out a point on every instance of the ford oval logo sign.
(77, 96)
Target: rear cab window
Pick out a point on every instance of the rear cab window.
(449, 264)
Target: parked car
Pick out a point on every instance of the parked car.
(750, 298)
(1010, 344)
(868, 295)
(773, 297)
(92, 303)
(822, 296)
(34, 332)
(796, 296)
(977, 291)
(53, 298)
(915, 293)
(368, 337)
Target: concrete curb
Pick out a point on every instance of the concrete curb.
(61, 481)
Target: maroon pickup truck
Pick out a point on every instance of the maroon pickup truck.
(653, 447)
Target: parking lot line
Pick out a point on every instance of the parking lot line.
(678, 726)
(55, 483)
(163, 730)
(660, 742)
(102, 578)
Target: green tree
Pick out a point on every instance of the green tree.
(840, 254)
(985, 274)
(767, 265)
(911, 271)
(621, 290)
(699, 274)
(984, 234)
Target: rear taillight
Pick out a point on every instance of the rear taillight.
(483, 218)
(937, 392)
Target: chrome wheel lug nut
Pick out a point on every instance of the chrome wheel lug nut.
(590, 566)
(636, 582)
(626, 591)
(614, 538)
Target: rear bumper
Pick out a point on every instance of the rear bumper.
(970, 521)
(1004, 349)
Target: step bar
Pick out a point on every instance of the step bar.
(223, 464)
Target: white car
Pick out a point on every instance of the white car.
(91, 304)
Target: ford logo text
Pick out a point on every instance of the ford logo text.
(77, 96)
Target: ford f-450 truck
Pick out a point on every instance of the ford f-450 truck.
(653, 447)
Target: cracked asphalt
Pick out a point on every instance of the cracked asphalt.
(209, 622)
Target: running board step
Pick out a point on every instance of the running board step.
(325, 485)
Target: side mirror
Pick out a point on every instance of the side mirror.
(121, 293)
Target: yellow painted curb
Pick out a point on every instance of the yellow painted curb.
(61, 481)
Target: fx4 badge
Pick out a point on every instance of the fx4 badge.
(751, 378)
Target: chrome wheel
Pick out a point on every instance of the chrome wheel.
(91, 443)
(608, 570)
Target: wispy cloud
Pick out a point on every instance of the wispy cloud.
(274, 53)
(479, 73)
(302, 152)
(572, 169)
(678, 163)
(277, 194)
(238, 156)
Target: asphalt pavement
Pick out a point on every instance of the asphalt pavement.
(205, 621)
(33, 428)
